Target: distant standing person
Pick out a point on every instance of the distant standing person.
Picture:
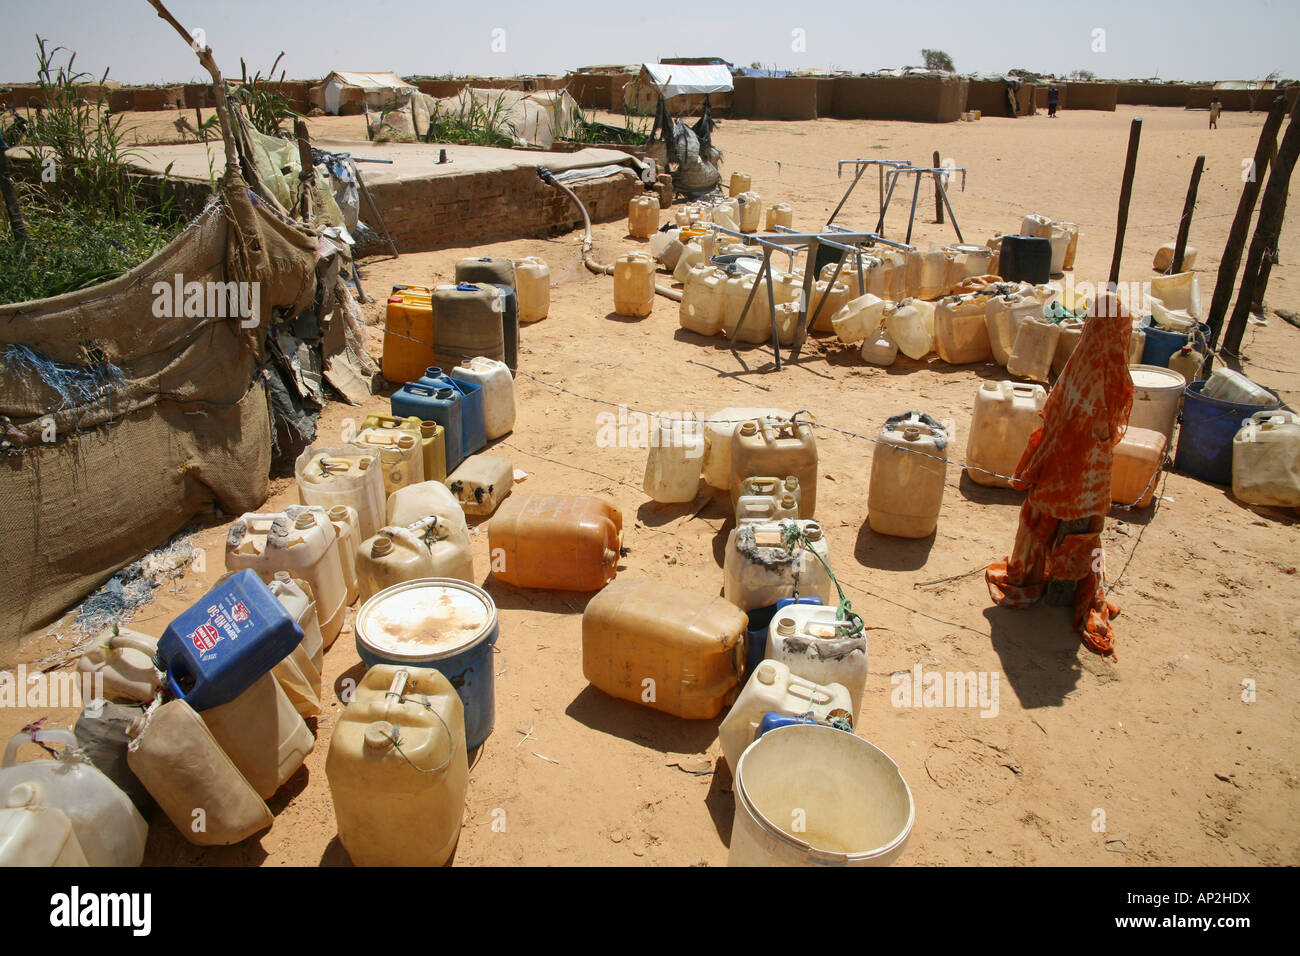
(1053, 100)
(1215, 109)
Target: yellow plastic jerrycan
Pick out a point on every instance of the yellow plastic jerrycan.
(397, 768)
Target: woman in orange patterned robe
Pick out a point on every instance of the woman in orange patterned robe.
(1066, 468)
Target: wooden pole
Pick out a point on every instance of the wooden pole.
(306, 171)
(1241, 222)
(938, 200)
(1125, 194)
(1185, 224)
(1272, 210)
(15, 211)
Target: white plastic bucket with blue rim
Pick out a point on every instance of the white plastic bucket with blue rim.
(810, 795)
(442, 623)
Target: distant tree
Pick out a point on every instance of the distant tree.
(756, 65)
(937, 60)
(1083, 75)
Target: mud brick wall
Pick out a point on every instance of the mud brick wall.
(1152, 94)
(485, 207)
(1089, 96)
(989, 97)
(923, 99)
(1198, 98)
(150, 98)
(785, 98)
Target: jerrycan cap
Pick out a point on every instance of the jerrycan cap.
(304, 521)
(749, 428)
(337, 513)
(382, 545)
(787, 500)
(766, 673)
(813, 532)
(284, 576)
(466, 287)
(432, 371)
(26, 794)
(791, 482)
(379, 736)
(429, 429)
(785, 626)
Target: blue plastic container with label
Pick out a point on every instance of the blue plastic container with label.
(229, 638)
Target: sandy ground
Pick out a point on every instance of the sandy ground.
(1161, 742)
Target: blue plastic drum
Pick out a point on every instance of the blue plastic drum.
(442, 623)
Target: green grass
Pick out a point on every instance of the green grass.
(68, 248)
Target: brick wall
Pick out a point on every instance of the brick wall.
(486, 207)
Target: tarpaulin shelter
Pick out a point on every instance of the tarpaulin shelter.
(535, 119)
(684, 87)
(344, 93)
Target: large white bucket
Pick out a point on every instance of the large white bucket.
(1157, 396)
(810, 795)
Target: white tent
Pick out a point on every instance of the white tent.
(353, 92)
(674, 79)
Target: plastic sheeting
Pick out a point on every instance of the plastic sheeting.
(674, 79)
(530, 119)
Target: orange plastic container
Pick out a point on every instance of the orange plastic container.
(1138, 459)
(559, 542)
(408, 335)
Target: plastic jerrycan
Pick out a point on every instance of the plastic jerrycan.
(473, 432)
(469, 320)
(397, 768)
(1266, 460)
(417, 502)
(819, 645)
(764, 447)
(643, 216)
(38, 836)
(1137, 461)
(1034, 348)
(907, 476)
(739, 183)
(1005, 415)
(689, 645)
(439, 403)
(961, 332)
(196, 784)
(408, 335)
(262, 734)
(773, 689)
(560, 542)
(401, 458)
(533, 286)
(226, 640)
(428, 548)
(348, 531)
(674, 460)
(759, 569)
(343, 476)
(301, 539)
(481, 483)
(108, 828)
(634, 284)
(123, 660)
(101, 732)
(299, 674)
(719, 430)
(911, 324)
(768, 499)
(498, 387)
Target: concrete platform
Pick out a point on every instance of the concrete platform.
(482, 194)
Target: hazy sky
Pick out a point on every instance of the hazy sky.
(1186, 39)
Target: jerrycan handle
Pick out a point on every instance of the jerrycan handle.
(56, 735)
(418, 389)
(385, 420)
(806, 690)
(398, 687)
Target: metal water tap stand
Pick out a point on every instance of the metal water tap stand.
(787, 240)
(939, 173)
(861, 165)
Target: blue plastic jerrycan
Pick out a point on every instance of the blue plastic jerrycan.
(434, 401)
(473, 434)
(225, 641)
